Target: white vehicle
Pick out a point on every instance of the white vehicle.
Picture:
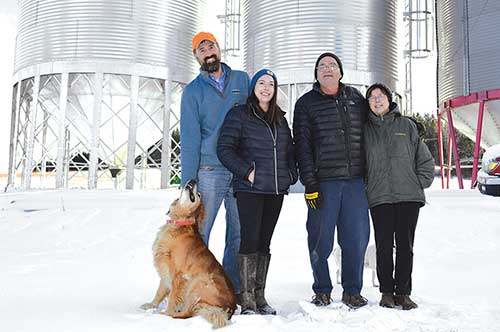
(488, 177)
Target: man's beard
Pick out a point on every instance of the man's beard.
(211, 67)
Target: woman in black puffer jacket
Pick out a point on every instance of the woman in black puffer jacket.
(255, 144)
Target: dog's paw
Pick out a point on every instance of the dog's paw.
(179, 307)
(148, 306)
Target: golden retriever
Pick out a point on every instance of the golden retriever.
(190, 276)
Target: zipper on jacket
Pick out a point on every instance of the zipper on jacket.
(347, 135)
(274, 137)
(275, 167)
(345, 132)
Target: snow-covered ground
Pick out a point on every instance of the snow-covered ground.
(81, 261)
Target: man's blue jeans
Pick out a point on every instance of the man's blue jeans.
(344, 205)
(215, 186)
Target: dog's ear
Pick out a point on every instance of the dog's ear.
(199, 215)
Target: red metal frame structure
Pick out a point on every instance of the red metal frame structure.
(446, 109)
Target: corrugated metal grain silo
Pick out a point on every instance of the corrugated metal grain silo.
(96, 91)
(288, 36)
(468, 65)
(469, 69)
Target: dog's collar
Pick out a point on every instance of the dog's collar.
(180, 222)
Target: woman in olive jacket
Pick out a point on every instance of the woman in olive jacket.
(399, 167)
(255, 144)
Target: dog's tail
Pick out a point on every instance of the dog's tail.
(218, 317)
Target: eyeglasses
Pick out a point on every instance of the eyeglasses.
(375, 98)
(333, 66)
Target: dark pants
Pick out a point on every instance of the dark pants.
(258, 217)
(395, 222)
(344, 206)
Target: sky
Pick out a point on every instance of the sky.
(78, 260)
(424, 73)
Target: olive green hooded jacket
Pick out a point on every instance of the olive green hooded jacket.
(399, 165)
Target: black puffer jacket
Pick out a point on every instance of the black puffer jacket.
(248, 142)
(328, 133)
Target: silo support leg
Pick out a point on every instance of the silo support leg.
(132, 131)
(440, 147)
(450, 157)
(166, 140)
(477, 145)
(94, 140)
(455, 149)
(13, 139)
(28, 166)
(61, 142)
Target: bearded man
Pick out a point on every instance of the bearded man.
(204, 105)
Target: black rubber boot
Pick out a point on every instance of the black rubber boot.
(247, 265)
(263, 307)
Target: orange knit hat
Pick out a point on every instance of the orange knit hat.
(201, 36)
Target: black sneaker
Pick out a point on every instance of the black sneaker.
(354, 301)
(321, 300)
(405, 302)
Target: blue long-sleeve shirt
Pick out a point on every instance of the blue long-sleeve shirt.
(203, 109)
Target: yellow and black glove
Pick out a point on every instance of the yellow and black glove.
(313, 197)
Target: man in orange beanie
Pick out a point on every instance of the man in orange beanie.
(204, 105)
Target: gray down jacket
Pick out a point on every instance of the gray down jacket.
(399, 164)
